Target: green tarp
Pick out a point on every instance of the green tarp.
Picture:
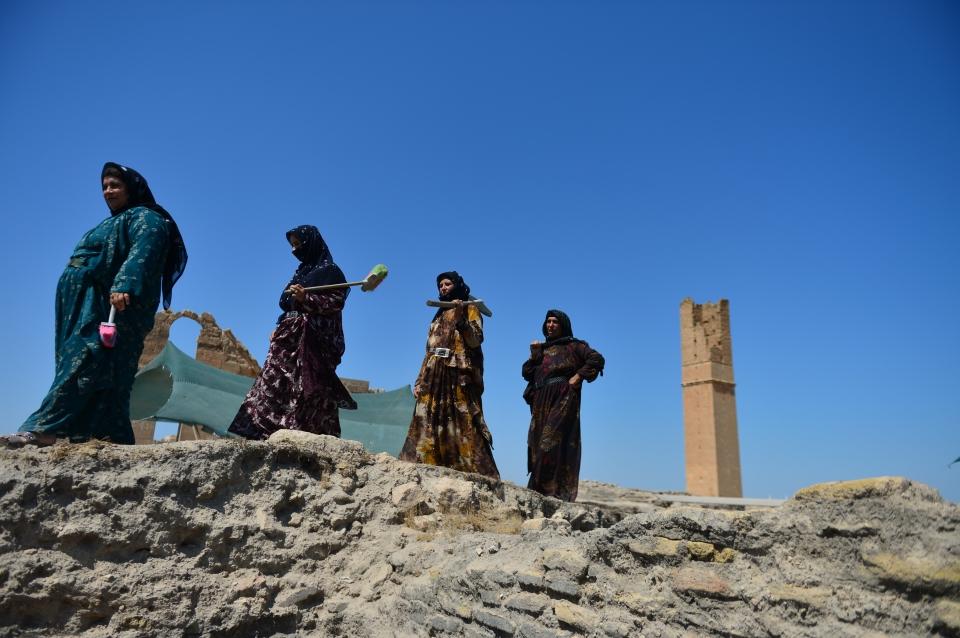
(176, 387)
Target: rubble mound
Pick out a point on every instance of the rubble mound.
(310, 535)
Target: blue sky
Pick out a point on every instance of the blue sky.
(609, 159)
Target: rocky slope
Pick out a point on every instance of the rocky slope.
(307, 535)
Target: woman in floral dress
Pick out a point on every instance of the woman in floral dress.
(447, 427)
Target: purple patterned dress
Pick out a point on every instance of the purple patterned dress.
(298, 387)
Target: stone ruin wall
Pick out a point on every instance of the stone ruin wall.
(215, 346)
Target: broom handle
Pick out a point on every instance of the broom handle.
(433, 303)
(335, 286)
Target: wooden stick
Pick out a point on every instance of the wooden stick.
(335, 286)
(482, 307)
(433, 303)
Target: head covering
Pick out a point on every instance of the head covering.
(316, 263)
(566, 330)
(460, 288)
(138, 194)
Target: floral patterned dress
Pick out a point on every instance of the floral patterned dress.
(553, 443)
(298, 387)
(90, 395)
(448, 427)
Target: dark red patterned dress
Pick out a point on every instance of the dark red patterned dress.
(553, 444)
(298, 388)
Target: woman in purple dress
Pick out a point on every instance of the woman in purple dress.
(555, 373)
(298, 388)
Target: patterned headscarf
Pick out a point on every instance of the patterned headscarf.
(316, 263)
(138, 194)
(566, 329)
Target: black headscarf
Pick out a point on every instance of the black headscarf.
(316, 263)
(138, 194)
(460, 290)
(566, 330)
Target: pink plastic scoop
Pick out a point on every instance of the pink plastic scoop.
(108, 330)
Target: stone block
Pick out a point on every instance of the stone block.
(616, 629)
(455, 494)
(478, 631)
(536, 525)
(854, 490)
(566, 560)
(654, 548)
(300, 597)
(494, 621)
(527, 629)
(702, 582)
(490, 598)
(406, 495)
(530, 579)
(532, 604)
(558, 584)
(575, 616)
(699, 550)
(914, 571)
(445, 623)
(947, 613)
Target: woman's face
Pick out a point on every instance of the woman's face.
(553, 327)
(115, 193)
(294, 242)
(445, 286)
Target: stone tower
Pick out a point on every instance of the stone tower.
(709, 402)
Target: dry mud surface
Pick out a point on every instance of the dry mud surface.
(311, 536)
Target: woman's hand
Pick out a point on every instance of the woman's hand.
(120, 300)
(298, 292)
(575, 380)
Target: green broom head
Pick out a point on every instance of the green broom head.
(377, 274)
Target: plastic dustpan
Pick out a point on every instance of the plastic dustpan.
(108, 330)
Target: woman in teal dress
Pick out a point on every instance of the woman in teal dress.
(129, 260)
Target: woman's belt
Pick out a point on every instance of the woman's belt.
(548, 381)
(443, 353)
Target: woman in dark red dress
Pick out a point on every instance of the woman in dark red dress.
(555, 373)
(298, 388)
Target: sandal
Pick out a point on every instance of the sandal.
(22, 439)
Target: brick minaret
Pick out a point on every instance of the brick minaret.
(709, 402)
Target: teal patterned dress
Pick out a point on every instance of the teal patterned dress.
(90, 395)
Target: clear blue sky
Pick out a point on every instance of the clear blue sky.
(609, 159)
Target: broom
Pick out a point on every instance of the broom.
(377, 274)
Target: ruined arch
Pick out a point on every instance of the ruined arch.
(215, 346)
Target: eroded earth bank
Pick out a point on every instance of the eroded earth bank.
(309, 535)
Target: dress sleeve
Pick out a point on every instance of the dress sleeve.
(324, 303)
(592, 362)
(471, 327)
(149, 237)
(530, 365)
